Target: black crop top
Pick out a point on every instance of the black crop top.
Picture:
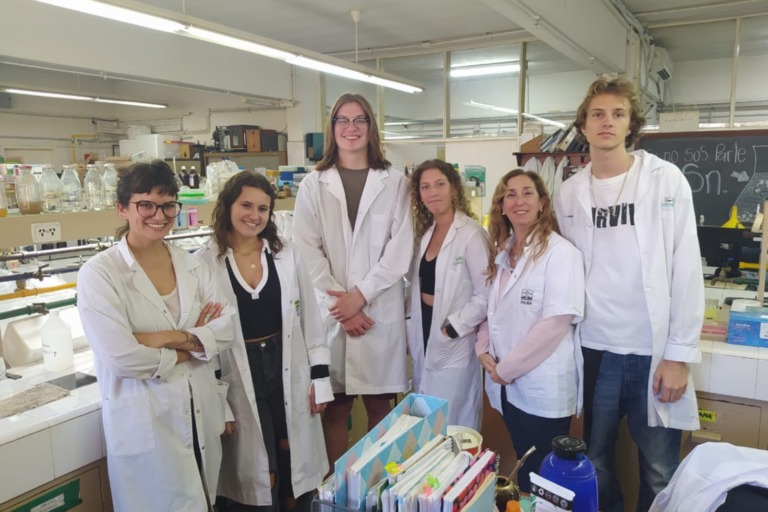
(427, 275)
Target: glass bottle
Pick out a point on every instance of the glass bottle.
(50, 190)
(94, 189)
(28, 192)
(71, 195)
(9, 184)
(109, 180)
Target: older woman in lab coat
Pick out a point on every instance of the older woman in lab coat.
(537, 294)
(277, 369)
(155, 317)
(449, 292)
(353, 228)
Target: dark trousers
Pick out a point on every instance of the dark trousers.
(529, 430)
(745, 498)
(266, 362)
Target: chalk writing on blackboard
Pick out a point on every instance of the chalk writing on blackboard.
(723, 169)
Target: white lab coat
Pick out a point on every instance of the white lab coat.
(374, 257)
(450, 369)
(552, 285)
(705, 476)
(146, 397)
(244, 470)
(671, 267)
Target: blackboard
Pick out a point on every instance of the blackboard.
(723, 169)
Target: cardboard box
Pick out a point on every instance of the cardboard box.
(258, 140)
(749, 329)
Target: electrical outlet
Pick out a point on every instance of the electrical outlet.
(46, 232)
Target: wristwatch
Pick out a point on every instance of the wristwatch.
(450, 330)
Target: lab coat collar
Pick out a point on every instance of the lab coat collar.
(186, 281)
(459, 221)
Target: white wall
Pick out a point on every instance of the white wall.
(409, 155)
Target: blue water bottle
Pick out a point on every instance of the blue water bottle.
(568, 466)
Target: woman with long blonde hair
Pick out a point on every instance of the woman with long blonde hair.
(449, 292)
(527, 344)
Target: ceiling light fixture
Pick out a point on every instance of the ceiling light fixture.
(79, 97)
(493, 69)
(505, 110)
(164, 21)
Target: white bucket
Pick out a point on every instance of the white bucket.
(469, 440)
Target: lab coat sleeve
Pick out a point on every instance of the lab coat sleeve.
(217, 334)
(109, 333)
(686, 286)
(396, 259)
(311, 321)
(471, 314)
(308, 237)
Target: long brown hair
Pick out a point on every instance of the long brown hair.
(222, 212)
(422, 217)
(500, 228)
(376, 158)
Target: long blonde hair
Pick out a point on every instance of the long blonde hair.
(500, 228)
(422, 217)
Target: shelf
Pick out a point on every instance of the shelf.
(17, 229)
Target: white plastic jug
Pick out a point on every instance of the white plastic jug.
(56, 335)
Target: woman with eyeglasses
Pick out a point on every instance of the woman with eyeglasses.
(278, 366)
(353, 227)
(155, 319)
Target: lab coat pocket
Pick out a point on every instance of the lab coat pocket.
(128, 426)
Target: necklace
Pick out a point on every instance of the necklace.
(621, 190)
(248, 254)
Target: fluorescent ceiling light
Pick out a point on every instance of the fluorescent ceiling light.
(505, 110)
(116, 13)
(290, 55)
(493, 69)
(96, 99)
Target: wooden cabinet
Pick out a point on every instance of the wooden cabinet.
(89, 485)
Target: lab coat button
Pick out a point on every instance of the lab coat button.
(202, 448)
(197, 411)
(189, 447)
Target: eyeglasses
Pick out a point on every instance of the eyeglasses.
(148, 209)
(359, 122)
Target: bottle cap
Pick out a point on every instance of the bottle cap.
(568, 447)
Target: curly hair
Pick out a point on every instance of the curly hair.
(623, 88)
(500, 228)
(222, 212)
(376, 158)
(422, 217)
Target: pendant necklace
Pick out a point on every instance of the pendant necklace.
(621, 190)
(248, 255)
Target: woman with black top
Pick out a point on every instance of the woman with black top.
(449, 292)
(278, 366)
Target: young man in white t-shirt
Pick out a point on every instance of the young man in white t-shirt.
(631, 214)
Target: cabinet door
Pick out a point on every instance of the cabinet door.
(730, 422)
(79, 493)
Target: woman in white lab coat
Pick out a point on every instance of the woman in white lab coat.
(155, 317)
(449, 292)
(352, 226)
(277, 369)
(537, 295)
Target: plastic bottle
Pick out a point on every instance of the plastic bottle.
(3, 203)
(192, 180)
(50, 190)
(567, 465)
(71, 194)
(56, 335)
(109, 180)
(94, 189)
(28, 192)
(9, 183)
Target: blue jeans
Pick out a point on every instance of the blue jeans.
(616, 386)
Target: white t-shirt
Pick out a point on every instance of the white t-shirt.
(616, 314)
